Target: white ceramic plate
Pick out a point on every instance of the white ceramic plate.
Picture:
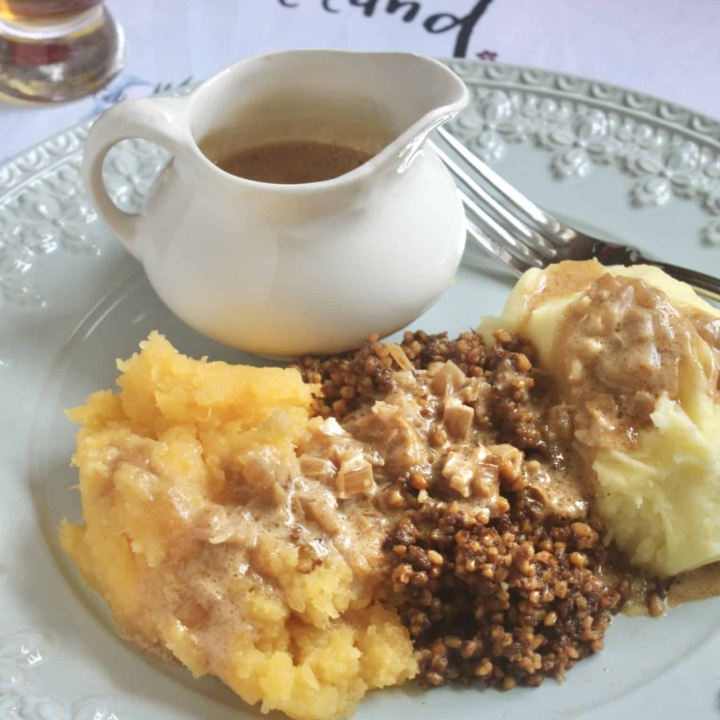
(72, 301)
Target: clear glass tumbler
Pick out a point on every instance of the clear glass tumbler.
(56, 50)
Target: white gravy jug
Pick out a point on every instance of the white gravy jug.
(285, 270)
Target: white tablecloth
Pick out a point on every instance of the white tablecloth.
(669, 48)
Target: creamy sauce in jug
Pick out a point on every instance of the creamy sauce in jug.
(293, 162)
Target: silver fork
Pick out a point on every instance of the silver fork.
(521, 235)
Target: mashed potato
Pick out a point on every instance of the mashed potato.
(188, 480)
(636, 354)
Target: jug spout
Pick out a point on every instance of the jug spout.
(417, 92)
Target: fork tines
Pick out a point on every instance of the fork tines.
(500, 218)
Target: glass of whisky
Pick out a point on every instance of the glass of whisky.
(56, 50)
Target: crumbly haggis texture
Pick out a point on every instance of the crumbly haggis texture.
(351, 379)
(507, 366)
(510, 599)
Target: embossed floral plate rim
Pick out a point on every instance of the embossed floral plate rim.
(621, 162)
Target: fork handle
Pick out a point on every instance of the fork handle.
(705, 285)
(613, 254)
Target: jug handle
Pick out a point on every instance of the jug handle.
(159, 120)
